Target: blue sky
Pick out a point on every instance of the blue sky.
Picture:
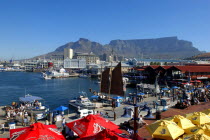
(32, 27)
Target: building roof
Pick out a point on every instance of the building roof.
(193, 68)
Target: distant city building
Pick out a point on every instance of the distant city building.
(57, 57)
(110, 58)
(74, 63)
(89, 57)
(124, 67)
(68, 53)
(96, 69)
(30, 65)
(58, 63)
(104, 57)
(42, 64)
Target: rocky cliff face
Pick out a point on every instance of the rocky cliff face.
(168, 47)
(161, 48)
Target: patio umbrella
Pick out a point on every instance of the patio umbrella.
(36, 131)
(198, 81)
(199, 118)
(165, 89)
(61, 108)
(167, 130)
(207, 112)
(194, 130)
(104, 135)
(183, 122)
(206, 128)
(117, 97)
(94, 97)
(196, 137)
(91, 125)
(174, 87)
(140, 94)
(188, 115)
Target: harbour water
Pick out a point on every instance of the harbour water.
(56, 92)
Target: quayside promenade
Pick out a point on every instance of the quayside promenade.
(72, 116)
(119, 112)
(143, 132)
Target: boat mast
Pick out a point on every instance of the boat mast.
(100, 77)
(110, 73)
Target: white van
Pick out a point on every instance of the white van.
(84, 112)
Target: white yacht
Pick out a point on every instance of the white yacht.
(81, 102)
(45, 76)
(56, 74)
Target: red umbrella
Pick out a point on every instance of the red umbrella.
(104, 135)
(36, 131)
(198, 81)
(91, 125)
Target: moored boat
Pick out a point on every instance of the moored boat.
(34, 106)
(56, 74)
(81, 102)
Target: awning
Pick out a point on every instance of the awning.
(29, 98)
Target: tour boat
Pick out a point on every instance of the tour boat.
(38, 110)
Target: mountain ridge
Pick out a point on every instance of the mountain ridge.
(158, 48)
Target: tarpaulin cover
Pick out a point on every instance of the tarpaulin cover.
(29, 98)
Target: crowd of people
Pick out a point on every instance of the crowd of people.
(186, 97)
(18, 112)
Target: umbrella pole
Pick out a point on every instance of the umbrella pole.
(135, 127)
(68, 113)
(135, 122)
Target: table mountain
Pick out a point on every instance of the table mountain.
(159, 48)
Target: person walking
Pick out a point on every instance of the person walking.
(2, 128)
(25, 121)
(63, 122)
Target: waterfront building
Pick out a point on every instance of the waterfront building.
(74, 63)
(96, 69)
(89, 57)
(68, 53)
(148, 62)
(57, 57)
(57, 63)
(124, 67)
(193, 72)
(30, 65)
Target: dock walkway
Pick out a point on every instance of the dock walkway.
(70, 117)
